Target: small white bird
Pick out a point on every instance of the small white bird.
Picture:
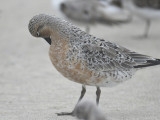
(89, 12)
(146, 9)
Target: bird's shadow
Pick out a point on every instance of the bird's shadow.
(140, 37)
(88, 110)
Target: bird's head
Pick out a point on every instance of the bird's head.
(77, 10)
(38, 27)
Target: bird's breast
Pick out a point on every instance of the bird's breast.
(72, 69)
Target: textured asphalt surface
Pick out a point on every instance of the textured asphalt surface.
(31, 88)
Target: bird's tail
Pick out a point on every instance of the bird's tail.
(140, 60)
(149, 63)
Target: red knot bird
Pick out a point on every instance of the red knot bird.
(89, 12)
(84, 58)
(146, 9)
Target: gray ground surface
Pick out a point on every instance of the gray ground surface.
(31, 88)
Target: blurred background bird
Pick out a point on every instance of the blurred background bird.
(148, 10)
(89, 12)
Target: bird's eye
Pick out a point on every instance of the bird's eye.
(63, 7)
(85, 12)
(38, 34)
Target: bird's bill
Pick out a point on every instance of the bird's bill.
(48, 40)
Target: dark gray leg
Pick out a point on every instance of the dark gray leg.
(80, 98)
(148, 23)
(98, 93)
(87, 29)
(82, 93)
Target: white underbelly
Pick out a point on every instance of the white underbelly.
(112, 78)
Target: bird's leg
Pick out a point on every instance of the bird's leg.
(87, 29)
(148, 23)
(98, 93)
(80, 98)
(82, 93)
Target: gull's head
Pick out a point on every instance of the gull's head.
(56, 4)
(78, 10)
(38, 27)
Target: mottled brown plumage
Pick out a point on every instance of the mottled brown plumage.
(84, 58)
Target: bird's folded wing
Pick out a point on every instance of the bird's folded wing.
(110, 15)
(152, 4)
(107, 56)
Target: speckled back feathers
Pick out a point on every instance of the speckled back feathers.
(105, 60)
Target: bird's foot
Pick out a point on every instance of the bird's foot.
(65, 113)
(141, 37)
